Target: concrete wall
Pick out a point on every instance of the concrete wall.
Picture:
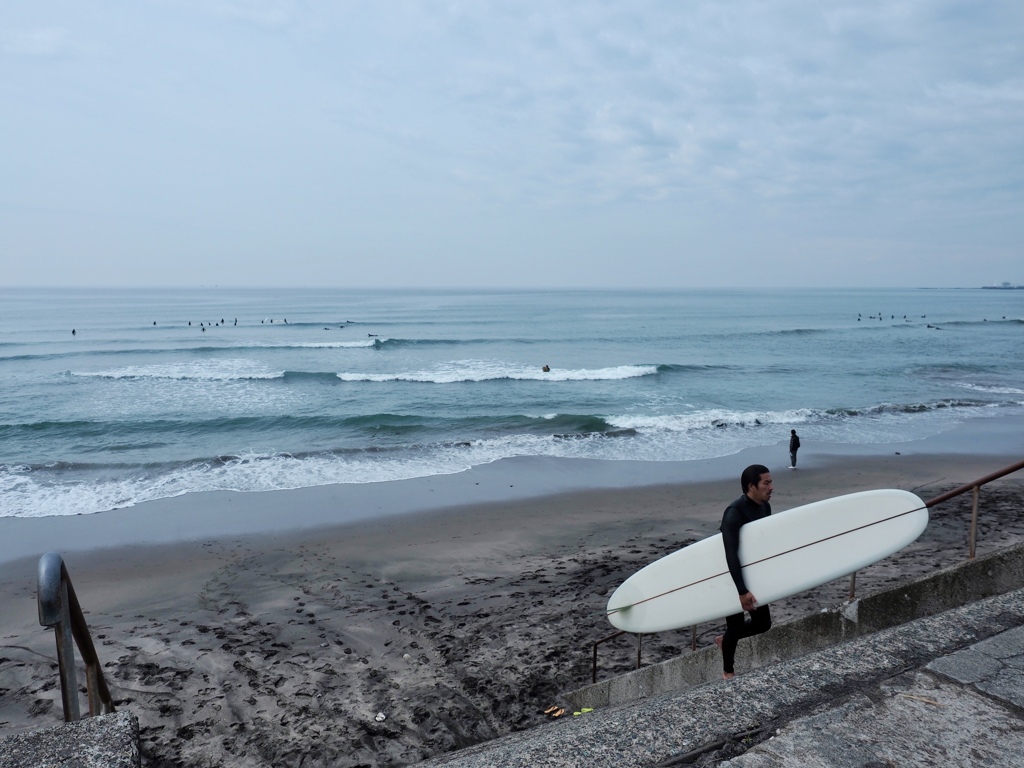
(949, 588)
(104, 741)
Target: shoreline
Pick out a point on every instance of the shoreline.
(458, 622)
(218, 514)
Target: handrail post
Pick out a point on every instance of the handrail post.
(92, 684)
(974, 521)
(66, 662)
(100, 701)
(639, 643)
(604, 640)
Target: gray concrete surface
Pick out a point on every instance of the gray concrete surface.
(940, 690)
(963, 709)
(105, 741)
(951, 587)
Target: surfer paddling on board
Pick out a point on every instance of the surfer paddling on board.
(756, 482)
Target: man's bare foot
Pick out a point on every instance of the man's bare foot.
(728, 675)
(718, 641)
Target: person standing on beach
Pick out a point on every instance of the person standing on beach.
(756, 482)
(794, 446)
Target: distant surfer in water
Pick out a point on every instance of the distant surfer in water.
(756, 482)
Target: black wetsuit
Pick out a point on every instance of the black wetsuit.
(738, 514)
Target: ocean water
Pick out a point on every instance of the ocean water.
(163, 392)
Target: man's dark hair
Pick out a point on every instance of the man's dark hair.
(752, 475)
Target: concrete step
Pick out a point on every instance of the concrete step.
(104, 741)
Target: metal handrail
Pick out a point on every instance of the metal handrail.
(976, 484)
(975, 487)
(59, 608)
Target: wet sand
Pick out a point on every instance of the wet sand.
(457, 625)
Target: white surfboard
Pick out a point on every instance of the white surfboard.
(782, 555)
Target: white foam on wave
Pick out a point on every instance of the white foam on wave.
(28, 494)
(715, 417)
(687, 437)
(719, 432)
(201, 370)
(994, 390)
(484, 370)
(362, 344)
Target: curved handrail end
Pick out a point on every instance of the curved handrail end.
(50, 594)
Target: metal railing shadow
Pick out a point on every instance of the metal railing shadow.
(975, 487)
(59, 608)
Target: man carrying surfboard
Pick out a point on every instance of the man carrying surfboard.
(756, 482)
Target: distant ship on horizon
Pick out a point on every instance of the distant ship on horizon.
(1004, 287)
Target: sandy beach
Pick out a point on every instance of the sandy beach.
(457, 624)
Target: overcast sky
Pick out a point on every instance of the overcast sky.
(547, 144)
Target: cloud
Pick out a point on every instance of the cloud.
(789, 122)
(266, 14)
(42, 42)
